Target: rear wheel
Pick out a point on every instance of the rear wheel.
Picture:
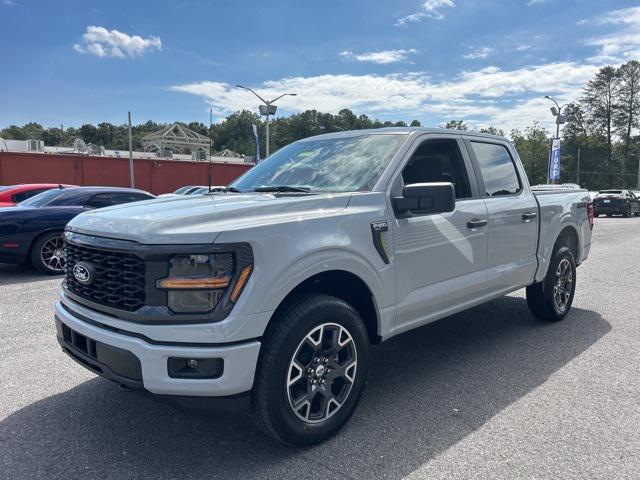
(312, 370)
(551, 299)
(47, 253)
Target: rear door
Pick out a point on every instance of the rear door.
(439, 259)
(512, 210)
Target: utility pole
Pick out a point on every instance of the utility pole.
(638, 183)
(268, 108)
(131, 167)
(210, 146)
(554, 156)
(578, 168)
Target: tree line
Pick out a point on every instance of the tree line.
(233, 133)
(600, 140)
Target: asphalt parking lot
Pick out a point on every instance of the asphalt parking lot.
(490, 393)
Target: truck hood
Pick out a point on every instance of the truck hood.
(200, 219)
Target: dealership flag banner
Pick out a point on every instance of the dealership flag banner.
(554, 164)
(255, 135)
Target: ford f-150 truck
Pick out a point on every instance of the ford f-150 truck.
(269, 295)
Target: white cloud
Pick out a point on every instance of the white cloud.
(9, 3)
(482, 52)
(101, 42)
(428, 9)
(380, 57)
(535, 2)
(489, 96)
(621, 45)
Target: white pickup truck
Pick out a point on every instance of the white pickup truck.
(270, 294)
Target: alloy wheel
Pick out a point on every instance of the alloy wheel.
(563, 285)
(321, 373)
(52, 254)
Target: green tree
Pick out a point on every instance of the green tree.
(626, 117)
(491, 130)
(13, 132)
(599, 99)
(532, 146)
(456, 125)
(52, 136)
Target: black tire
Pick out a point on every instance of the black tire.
(609, 214)
(596, 215)
(38, 255)
(542, 298)
(627, 211)
(271, 408)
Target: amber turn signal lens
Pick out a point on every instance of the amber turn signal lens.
(212, 283)
(242, 280)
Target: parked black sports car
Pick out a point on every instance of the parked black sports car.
(616, 202)
(32, 230)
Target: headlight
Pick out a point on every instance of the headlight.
(196, 283)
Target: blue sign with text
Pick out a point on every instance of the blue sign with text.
(554, 161)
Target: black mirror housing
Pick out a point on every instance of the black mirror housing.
(425, 199)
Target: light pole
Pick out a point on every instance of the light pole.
(560, 119)
(637, 155)
(266, 109)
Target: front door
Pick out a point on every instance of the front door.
(439, 259)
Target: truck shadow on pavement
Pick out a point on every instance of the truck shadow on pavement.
(427, 390)
(15, 274)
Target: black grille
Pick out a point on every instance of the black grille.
(119, 278)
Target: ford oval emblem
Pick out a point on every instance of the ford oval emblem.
(83, 273)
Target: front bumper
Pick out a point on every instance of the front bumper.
(240, 359)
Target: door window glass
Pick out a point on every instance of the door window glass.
(498, 171)
(438, 161)
(99, 201)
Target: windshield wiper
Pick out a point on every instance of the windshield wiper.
(231, 189)
(282, 188)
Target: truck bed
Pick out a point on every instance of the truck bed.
(559, 207)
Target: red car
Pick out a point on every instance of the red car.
(14, 194)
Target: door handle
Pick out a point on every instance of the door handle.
(476, 223)
(527, 217)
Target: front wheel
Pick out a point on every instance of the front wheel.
(311, 371)
(47, 253)
(551, 299)
(627, 211)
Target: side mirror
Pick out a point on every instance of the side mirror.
(425, 199)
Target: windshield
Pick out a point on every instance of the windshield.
(350, 164)
(42, 199)
(182, 190)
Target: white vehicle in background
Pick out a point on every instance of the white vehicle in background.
(270, 294)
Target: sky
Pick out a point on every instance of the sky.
(488, 62)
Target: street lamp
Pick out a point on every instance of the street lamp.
(557, 112)
(555, 150)
(268, 108)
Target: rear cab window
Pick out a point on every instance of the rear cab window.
(497, 168)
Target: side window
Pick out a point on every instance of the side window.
(22, 196)
(438, 161)
(497, 167)
(99, 201)
(119, 198)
